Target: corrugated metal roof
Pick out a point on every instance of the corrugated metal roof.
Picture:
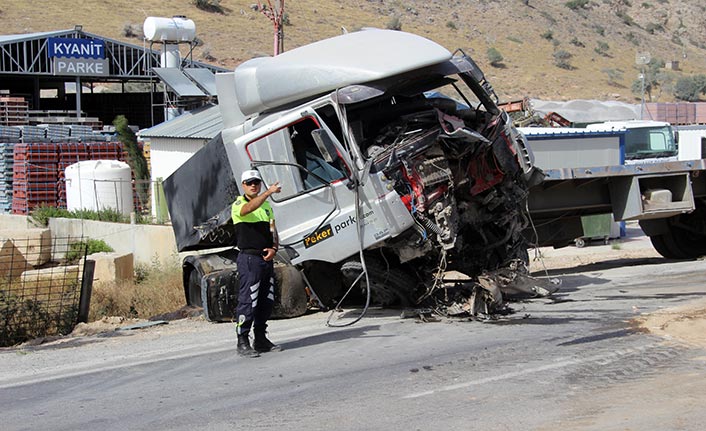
(201, 123)
(14, 38)
(30, 36)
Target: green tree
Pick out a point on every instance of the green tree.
(689, 88)
(136, 159)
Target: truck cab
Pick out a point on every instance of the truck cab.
(645, 141)
(385, 144)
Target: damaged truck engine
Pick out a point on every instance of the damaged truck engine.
(397, 169)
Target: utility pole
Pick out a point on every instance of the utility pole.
(642, 59)
(276, 14)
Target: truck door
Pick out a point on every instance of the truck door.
(315, 212)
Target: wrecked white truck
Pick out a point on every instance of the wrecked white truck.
(400, 177)
(392, 155)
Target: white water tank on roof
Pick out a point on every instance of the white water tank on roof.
(99, 184)
(176, 29)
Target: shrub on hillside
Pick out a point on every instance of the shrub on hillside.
(602, 49)
(394, 23)
(576, 4)
(494, 57)
(209, 5)
(562, 59)
(690, 88)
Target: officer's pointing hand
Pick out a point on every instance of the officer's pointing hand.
(275, 188)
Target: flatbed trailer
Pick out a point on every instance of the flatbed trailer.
(667, 199)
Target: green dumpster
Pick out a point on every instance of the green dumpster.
(596, 226)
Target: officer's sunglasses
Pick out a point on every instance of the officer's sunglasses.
(253, 182)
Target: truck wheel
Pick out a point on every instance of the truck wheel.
(686, 238)
(388, 287)
(290, 294)
(194, 288)
(665, 246)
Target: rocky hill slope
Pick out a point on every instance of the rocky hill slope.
(550, 49)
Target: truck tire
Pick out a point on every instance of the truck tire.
(388, 287)
(665, 246)
(290, 294)
(686, 235)
(193, 293)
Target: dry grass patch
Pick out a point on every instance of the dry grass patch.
(157, 290)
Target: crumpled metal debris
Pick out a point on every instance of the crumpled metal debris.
(515, 284)
(487, 295)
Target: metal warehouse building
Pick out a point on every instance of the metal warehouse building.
(58, 74)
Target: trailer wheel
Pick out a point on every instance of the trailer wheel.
(664, 244)
(391, 286)
(686, 237)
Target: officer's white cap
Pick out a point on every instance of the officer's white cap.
(250, 175)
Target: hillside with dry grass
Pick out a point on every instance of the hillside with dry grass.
(556, 50)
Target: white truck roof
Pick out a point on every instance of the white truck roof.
(561, 131)
(354, 58)
(625, 125)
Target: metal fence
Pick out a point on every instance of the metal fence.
(41, 281)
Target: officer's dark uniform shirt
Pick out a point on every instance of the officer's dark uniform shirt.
(252, 231)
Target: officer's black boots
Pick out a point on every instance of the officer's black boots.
(262, 344)
(244, 348)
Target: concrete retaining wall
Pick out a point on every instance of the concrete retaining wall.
(148, 243)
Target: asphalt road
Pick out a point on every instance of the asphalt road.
(576, 361)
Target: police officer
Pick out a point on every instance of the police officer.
(257, 240)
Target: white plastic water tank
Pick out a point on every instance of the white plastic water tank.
(176, 29)
(99, 184)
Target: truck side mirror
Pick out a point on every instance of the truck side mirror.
(325, 145)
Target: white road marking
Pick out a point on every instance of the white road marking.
(607, 357)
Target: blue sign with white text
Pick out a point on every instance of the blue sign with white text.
(66, 47)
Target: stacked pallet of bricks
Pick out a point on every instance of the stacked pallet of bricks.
(38, 170)
(84, 133)
(69, 153)
(33, 134)
(5, 177)
(13, 111)
(9, 136)
(57, 133)
(34, 176)
(65, 118)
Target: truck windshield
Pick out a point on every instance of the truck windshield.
(649, 142)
